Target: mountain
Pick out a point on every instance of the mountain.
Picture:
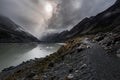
(13, 33)
(107, 20)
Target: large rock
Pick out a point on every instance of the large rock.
(99, 37)
(110, 42)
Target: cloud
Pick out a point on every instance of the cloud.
(32, 16)
(72, 11)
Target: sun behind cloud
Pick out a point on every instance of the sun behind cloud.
(48, 8)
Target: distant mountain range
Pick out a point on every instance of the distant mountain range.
(13, 33)
(106, 21)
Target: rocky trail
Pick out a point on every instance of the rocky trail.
(107, 67)
(86, 61)
(90, 64)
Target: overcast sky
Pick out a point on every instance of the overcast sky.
(40, 16)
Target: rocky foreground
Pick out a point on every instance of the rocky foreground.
(92, 58)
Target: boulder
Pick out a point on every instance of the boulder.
(30, 75)
(99, 37)
(118, 51)
(69, 77)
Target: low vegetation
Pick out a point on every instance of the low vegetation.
(47, 62)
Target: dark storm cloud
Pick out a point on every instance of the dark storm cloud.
(92, 7)
(72, 11)
(35, 1)
(31, 14)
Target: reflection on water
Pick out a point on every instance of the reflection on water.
(14, 54)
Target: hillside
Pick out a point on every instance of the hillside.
(105, 21)
(13, 33)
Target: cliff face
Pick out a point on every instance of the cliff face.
(10, 32)
(106, 21)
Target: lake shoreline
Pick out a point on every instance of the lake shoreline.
(7, 71)
(13, 54)
(78, 59)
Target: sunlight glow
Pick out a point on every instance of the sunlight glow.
(48, 8)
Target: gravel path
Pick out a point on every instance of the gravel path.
(107, 67)
(90, 64)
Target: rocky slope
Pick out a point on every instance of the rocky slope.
(10, 32)
(87, 58)
(87, 61)
(103, 22)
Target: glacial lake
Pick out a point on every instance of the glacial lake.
(13, 54)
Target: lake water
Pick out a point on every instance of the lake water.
(13, 54)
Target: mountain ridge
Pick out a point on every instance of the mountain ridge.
(102, 22)
(13, 33)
